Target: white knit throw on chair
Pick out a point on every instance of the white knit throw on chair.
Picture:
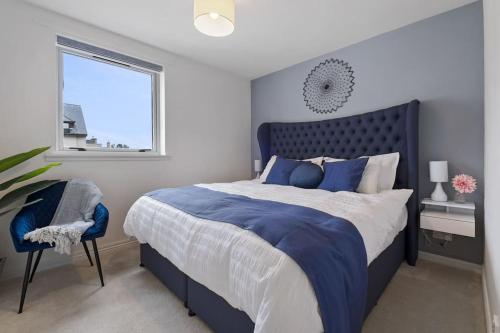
(72, 218)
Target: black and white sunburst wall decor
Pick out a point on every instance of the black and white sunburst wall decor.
(328, 86)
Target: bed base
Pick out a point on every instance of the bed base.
(223, 318)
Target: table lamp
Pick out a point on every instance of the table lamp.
(439, 174)
(257, 165)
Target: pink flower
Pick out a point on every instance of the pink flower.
(464, 183)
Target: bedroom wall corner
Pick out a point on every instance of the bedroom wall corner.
(492, 159)
(207, 119)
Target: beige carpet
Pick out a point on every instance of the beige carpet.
(428, 298)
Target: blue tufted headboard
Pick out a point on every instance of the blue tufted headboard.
(394, 129)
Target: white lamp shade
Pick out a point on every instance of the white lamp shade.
(257, 165)
(214, 17)
(438, 171)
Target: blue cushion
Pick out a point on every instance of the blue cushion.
(343, 176)
(281, 170)
(306, 175)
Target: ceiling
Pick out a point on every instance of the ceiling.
(270, 34)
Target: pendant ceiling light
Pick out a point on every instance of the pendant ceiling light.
(214, 17)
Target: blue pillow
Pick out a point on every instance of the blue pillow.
(306, 175)
(281, 170)
(343, 175)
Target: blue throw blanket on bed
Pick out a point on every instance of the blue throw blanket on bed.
(329, 249)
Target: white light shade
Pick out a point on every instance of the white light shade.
(214, 17)
(438, 171)
(257, 165)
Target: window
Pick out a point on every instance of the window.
(108, 101)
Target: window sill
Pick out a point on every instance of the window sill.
(58, 156)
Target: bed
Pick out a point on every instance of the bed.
(389, 130)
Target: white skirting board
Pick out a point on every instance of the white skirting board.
(487, 310)
(108, 248)
(451, 262)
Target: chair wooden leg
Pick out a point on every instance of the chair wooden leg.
(25, 281)
(87, 252)
(38, 256)
(98, 262)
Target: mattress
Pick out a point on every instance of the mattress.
(249, 273)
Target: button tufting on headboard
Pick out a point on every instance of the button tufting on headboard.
(394, 129)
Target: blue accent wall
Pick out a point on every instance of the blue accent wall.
(438, 61)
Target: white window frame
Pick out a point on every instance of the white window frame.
(157, 109)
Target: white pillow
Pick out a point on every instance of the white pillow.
(315, 160)
(267, 169)
(379, 174)
(333, 159)
(272, 160)
(388, 165)
(369, 180)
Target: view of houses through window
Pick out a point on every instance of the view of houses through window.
(75, 131)
(106, 106)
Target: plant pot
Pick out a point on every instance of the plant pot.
(460, 197)
(2, 264)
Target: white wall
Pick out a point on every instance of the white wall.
(492, 152)
(207, 118)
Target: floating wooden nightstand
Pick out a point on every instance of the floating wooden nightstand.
(449, 217)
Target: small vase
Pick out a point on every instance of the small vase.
(460, 197)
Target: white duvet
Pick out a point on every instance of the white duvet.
(249, 273)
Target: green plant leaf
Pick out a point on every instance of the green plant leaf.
(24, 191)
(14, 160)
(18, 207)
(27, 176)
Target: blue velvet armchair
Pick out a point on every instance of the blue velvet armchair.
(40, 215)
